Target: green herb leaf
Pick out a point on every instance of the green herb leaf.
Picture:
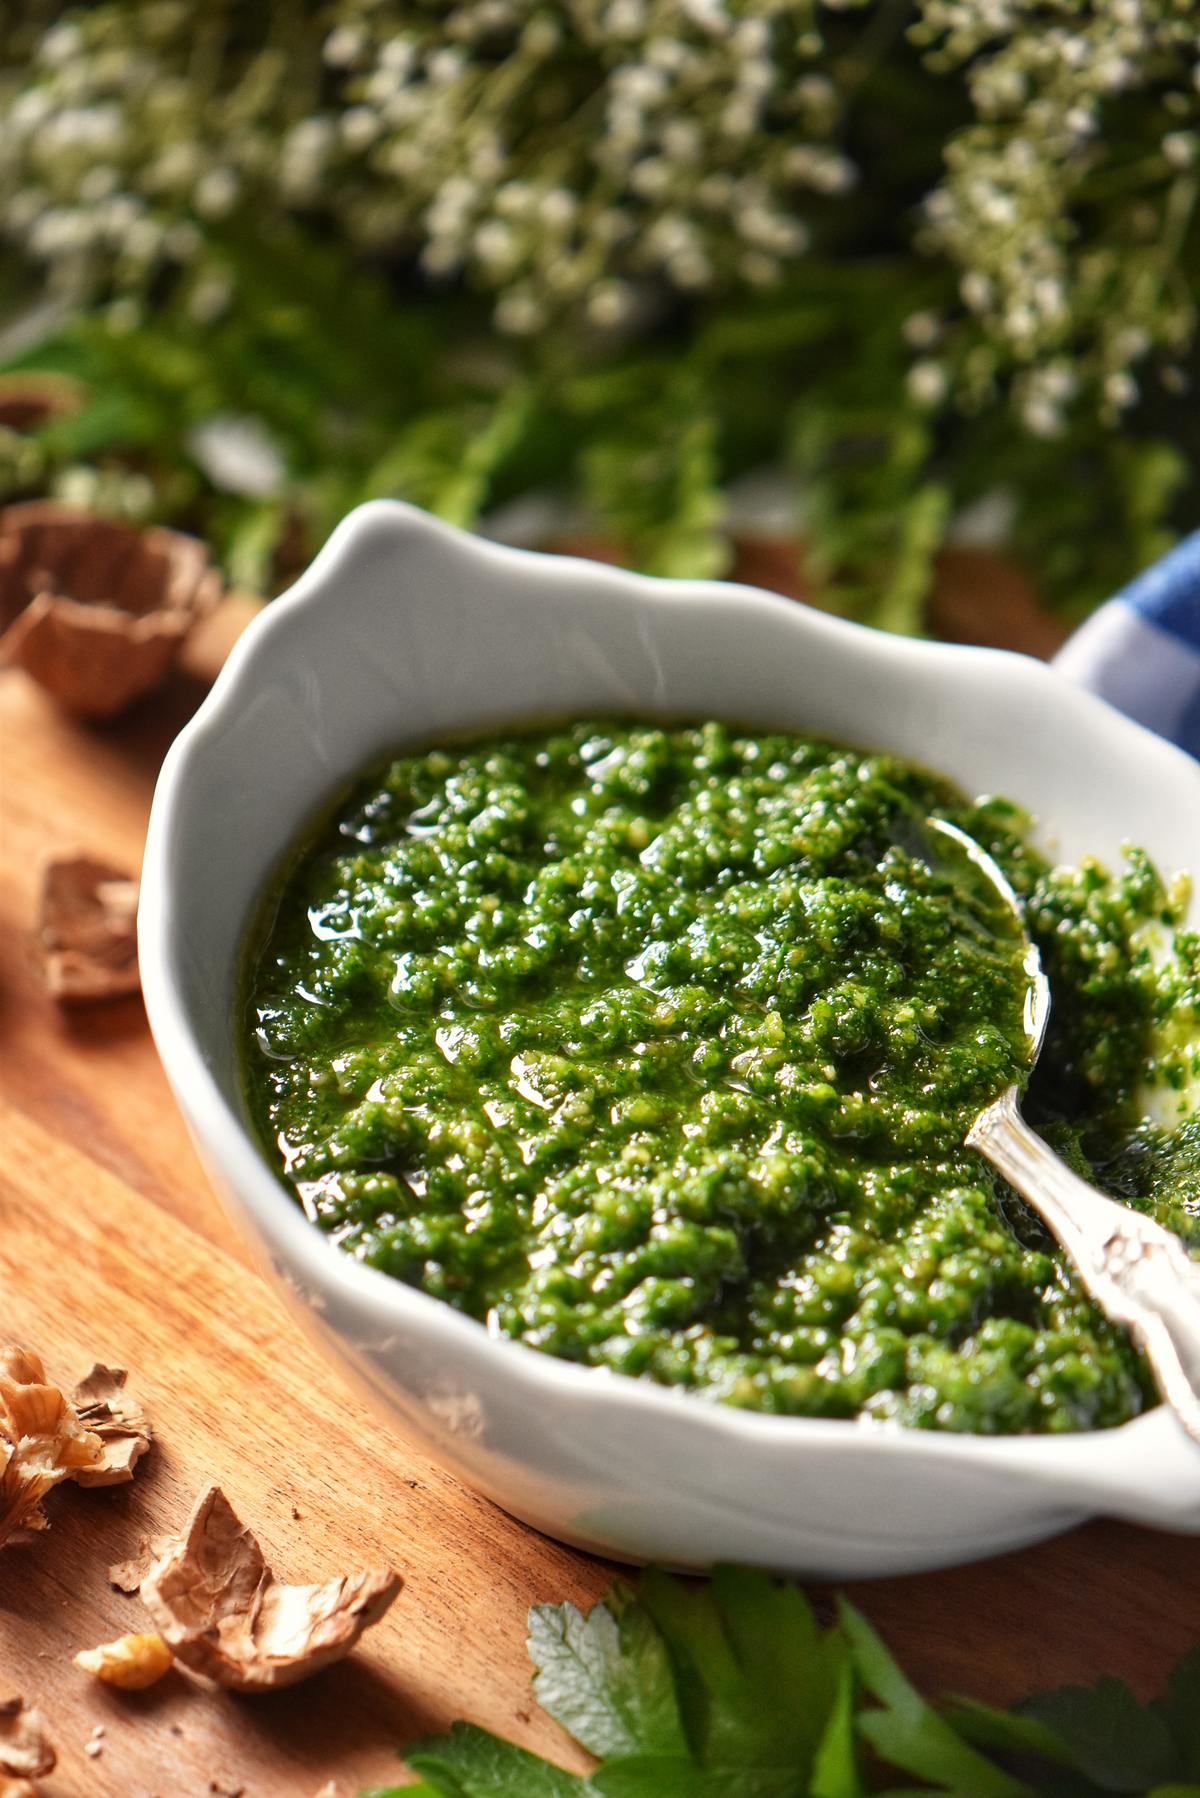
(835, 1772)
(989, 1727)
(473, 1763)
(731, 1689)
(1122, 1745)
(908, 1733)
(1179, 1709)
(606, 1677)
(757, 1678)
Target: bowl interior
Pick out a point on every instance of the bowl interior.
(404, 630)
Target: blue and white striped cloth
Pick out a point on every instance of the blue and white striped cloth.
(1141, 651)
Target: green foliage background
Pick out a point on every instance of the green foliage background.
(345, 223)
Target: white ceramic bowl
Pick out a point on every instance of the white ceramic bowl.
(404, 629)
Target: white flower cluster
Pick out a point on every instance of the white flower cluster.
(1071, 232)
(121, 144)
(562, 153)
(569, 153)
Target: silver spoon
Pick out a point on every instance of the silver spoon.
(1139, 1273)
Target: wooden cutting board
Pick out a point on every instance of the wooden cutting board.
(112, 1247)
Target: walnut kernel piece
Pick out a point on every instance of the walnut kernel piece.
(225, 1616)
(25, 1748)
(131, 1662)
(87, 927)
(42, 1441)
(94, 610)
(111, 1413)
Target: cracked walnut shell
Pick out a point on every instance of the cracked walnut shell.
(42, 1441)
(46, 1438)
(115, 1416)
(94, 610)
(224, 1615)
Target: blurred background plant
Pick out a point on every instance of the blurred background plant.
(916, 270)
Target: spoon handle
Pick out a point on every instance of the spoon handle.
(1139, 1274)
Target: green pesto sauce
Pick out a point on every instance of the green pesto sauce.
(655, 1048)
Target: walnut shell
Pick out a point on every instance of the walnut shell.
(224, 1615)
(94, 610)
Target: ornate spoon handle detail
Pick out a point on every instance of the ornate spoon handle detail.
(1138, 1273)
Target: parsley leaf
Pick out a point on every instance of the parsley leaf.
(908, 1733)
(606, 1677)
(757, 1678)
(733, 1689)
(472, 1763)
(1119, 1744)
(1179, 1708)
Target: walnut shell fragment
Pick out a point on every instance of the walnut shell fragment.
(25, 1748)
(127, 1576)
(116, 1417)
(225, 1616)
(87, 928)
(94, 610)
(131, 1663)
(42, 1441)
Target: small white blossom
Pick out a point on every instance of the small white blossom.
(238, 455)
(30, 110)
(922, 330)
(495, 245)
(541, 37)
(519, 313)
(625, 18)
(60, 45)
(343, 47)
(1181, 148)
(397, 56)
(444, 67)
(94, 129)
(516, 199)
(1121, 390)
(976, 291)
(710, 15)
(359, 126)
(1042, 418)
(441, 257)
(927, 383)
(557, 208)
(609, 303)
(216, 193)
(98, 183)
(651, 178)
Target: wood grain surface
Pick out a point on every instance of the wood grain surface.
(112, 1247)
